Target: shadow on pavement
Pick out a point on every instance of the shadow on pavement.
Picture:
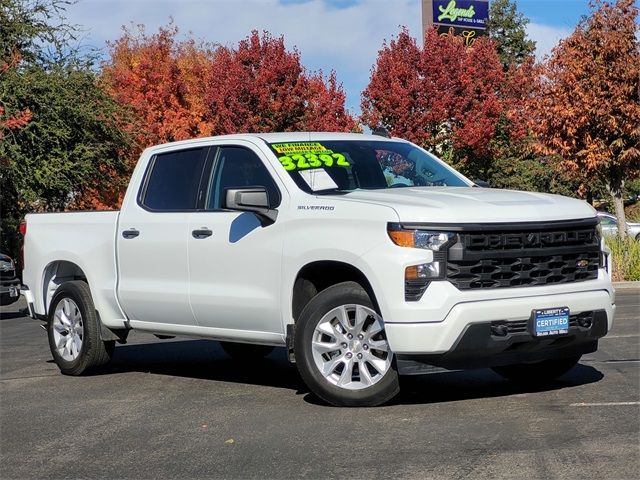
(471, 384)
(6, 314)
(204, 359)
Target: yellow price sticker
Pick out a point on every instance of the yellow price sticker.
(300, 161)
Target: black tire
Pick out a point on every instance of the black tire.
(346, 293)
(246, 351)
(538, 372)
(6, 299)
(94, 352)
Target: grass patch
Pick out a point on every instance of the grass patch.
(625, 257)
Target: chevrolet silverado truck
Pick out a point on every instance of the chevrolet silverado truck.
(357, 253)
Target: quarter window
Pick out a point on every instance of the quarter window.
(174, 180)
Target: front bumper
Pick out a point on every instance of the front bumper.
(479, 346)
(440, 337)
(6, 285)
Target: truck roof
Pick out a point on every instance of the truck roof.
(282, 137)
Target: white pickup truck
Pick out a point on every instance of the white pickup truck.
(358, 253)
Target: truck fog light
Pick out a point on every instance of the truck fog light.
(426, 271)
(418, 277)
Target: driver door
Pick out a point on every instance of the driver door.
(235, 260)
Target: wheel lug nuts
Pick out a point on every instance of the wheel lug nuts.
(360, 336)
(365, 346)
(359, 356)
(349, 336)
(344, 345)
(349, 354)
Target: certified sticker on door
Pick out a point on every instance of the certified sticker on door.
(551, 321)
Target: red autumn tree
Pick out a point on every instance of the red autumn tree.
(444, 96)
(587, 107)
(260, 86)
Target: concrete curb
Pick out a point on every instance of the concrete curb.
(626, 285)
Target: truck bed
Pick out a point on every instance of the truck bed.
(84, 239)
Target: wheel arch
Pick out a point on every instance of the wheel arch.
(316, 276)
(55, 274)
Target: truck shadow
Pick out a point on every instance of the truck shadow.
(205, 360)
(482, 383)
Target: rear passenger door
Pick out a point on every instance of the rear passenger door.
(235, 261)
(153, 238)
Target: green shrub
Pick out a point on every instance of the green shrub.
(626, 258)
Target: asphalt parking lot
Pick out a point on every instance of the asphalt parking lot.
(182, 409)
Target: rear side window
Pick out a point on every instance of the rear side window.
(173, 180)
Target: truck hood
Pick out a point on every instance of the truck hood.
(473, 205)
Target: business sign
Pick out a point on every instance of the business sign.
(464, 18)
(461, 13)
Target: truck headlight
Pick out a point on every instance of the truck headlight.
(426, 239)
(417, 277)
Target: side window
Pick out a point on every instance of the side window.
(174, 179)
(238, 167)
(608, 221)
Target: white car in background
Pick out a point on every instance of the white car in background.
(609, 225)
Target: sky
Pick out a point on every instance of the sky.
(340, 35)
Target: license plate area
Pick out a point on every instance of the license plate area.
(550, 321)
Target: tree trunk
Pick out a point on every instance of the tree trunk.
(618, 202)
(616, 187)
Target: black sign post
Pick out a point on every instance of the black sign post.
(465, 18)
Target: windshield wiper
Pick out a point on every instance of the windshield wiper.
(329, 191)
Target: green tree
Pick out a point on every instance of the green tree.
(507, 27)
(69, 143)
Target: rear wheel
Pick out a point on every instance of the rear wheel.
(544, 371)
(245, 351)
(74, 330)
(341, 348)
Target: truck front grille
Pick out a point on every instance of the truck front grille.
(536, 254)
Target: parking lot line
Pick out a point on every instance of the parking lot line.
(603, 404)
(621, 336)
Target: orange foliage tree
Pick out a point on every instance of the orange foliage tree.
(161, 81)
(587, 105)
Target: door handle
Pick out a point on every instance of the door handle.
(204, 232)
(131, 233)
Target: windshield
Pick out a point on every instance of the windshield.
(347, 165)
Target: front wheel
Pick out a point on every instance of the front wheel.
(341, 349)
(74, 330)
(544, 371)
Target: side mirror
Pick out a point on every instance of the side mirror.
(481, 183)
(253, 199)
